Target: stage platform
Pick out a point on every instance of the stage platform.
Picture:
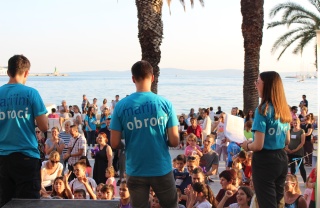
(60, 203)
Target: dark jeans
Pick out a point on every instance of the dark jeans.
(301, 167)
(19, 177)
(308, 148)
(91, 139)
(269, 171)
(163, 186)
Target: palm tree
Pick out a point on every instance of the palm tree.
(150, 33)
(252, 25)
(306, 22)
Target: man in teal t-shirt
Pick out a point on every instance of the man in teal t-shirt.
(149, 125)
(20, 107)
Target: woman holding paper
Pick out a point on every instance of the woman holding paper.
(271, 129)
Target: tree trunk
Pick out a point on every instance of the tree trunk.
(150, 34)
(252, 25)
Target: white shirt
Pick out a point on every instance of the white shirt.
(75, 184)
(204, 204)
(48, 179)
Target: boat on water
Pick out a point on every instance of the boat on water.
(3, 72)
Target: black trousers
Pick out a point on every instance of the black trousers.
(19, 177)
(269, 171)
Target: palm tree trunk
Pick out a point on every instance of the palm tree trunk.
(252, 25)
(150, 34)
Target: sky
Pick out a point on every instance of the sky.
(81, 35)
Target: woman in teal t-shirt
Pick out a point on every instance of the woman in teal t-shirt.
(271, 129)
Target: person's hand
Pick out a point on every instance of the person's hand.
(83, 180)
(187, 190)
(66, 155)
(193, 195)
(228, 194)
(66, 176)
(244, 145)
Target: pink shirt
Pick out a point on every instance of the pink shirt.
(189, 149)
(53, 115)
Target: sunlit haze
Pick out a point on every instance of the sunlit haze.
(78, 35)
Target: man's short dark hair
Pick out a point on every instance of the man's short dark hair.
(141, 70)
(211, 108)
(18, 64)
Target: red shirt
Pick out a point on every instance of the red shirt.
(313, 178)
(197, 131)
(53, 115)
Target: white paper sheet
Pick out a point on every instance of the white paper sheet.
(234, 128)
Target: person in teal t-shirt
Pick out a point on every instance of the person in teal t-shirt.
(271, 129)
(20, 107)
(149, 125)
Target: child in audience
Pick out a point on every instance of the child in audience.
(192, 148)
(98, 190)
(107, 192)
(82, 182)
(232, 149)
(79, 194)
(155, 202)
(180, 172)
(88, 166)
(174, 163)
(110, 178)
(124, 195)
(247, 130)
(201, 196)
(247, 170)
(59, 188)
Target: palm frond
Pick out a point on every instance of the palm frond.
(316, 4)
(282, 40)
(183, 4)
(301, 19)
(307, 37)
(169, 2)
(288, 44)
(276, 23)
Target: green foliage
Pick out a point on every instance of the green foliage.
(305, 24)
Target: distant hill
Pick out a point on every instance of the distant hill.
(170, 72)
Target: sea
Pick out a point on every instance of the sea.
(186, 89)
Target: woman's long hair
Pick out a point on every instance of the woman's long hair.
(273, 92)
(207, 192)
(54, 193)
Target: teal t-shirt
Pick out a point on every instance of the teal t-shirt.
(91, 122)
(102, 119)
(144, 118)
(275, 131)
(19, 106)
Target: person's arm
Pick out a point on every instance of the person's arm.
(302, 202)
(257, 144)
(309, 132)
(66, 184)
(109, 155)
(116, 139)
(226, 196)
(213, 170)
(288, 137)
(66, 155)
(85, 182)
(60, 146)
(79, 153)
(173, 136)
(42, 122)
